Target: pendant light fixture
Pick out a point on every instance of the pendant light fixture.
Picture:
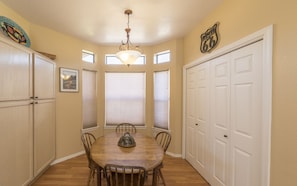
(128, 54)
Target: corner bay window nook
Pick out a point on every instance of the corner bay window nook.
(126, 95)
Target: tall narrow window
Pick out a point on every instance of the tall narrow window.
(89, 99)
(161, 99)
(125, 98)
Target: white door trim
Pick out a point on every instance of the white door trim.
(265, 34)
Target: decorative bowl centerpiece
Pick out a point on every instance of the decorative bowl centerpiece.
(126, 141)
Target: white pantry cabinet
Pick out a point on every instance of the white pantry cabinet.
(27, 113)
(44, 112)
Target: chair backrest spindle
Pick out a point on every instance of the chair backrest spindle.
(125, 127)
(117, 175)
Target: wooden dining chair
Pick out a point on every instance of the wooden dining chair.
(125, 127)
(88, 139)
(117, 175)
(163, 138)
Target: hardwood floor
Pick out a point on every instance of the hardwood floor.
(74, 172)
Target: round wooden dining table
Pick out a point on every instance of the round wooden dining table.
(147, 153)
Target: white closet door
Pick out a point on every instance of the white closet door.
(191, 113)
(202, 121)
(197, 118)
(220, 119)
(224, 117)
(246, 117)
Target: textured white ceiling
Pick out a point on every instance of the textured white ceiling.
(104, 21)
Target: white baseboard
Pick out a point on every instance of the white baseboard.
(174, 155)
(67, 157)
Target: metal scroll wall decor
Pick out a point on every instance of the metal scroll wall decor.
(209, 39)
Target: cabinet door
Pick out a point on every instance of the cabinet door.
(15, 72)
(44, 77)
(44, 134)
(220, 119)
(16, 143)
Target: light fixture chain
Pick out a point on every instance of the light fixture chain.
(128, 54)
(128, 30)
(128, 21)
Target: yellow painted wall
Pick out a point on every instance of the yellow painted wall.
(176, 63)
(69, 105)
(239, 18)
(23, 23)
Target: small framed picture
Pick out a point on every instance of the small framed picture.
(68, 80)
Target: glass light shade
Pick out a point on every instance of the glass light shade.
(128, 57)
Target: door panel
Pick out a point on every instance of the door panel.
(242, 106)
(242, 167)
(220, 161)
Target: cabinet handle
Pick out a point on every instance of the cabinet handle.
(226, 136)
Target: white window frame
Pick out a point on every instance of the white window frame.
(88, 56)
(162, 57)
